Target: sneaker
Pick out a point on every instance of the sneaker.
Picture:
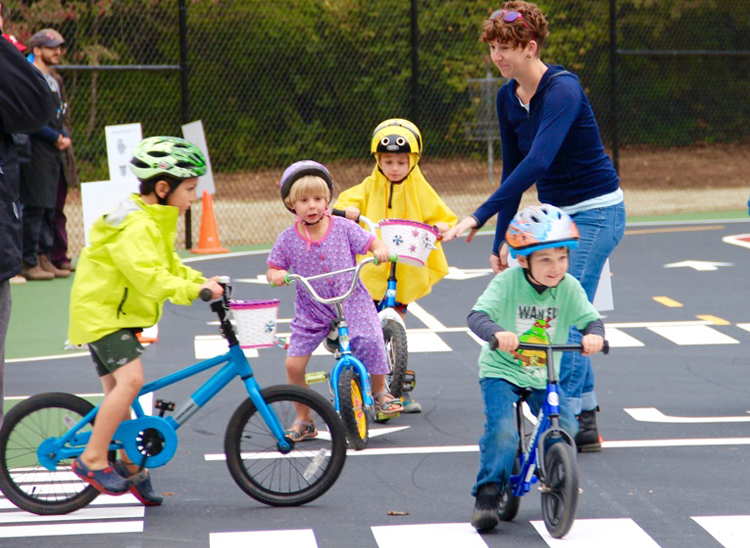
(485, 516)
(36, 272)
(107, 480)
(410, 405)
(17, 280)
(588, 439)
(143, 490)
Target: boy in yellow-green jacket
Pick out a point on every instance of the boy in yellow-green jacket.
(123, 278)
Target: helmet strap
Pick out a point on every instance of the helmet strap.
(304, 223)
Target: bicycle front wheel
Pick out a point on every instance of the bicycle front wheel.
(23, 479)
(560, 489)
(397, 355)
(302, 475)
(352, 409)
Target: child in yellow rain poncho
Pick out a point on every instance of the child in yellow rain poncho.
(398, 190)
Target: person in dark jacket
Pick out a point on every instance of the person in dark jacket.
(25, 104)
(41, 176)
(550, 137)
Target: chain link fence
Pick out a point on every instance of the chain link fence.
(278, 81)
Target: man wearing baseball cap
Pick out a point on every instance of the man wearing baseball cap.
(46, 177)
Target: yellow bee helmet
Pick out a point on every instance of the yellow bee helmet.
(397, 136)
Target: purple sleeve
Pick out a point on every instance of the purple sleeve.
(278, 258)
(359, 238)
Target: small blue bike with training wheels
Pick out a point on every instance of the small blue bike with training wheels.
(547, 455)
(43, 435)
(349, 380)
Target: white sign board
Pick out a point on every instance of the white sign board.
(99, 198)
(603, 299)
(121, 140)
(193, 132)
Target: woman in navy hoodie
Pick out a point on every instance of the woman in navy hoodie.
(550, 137)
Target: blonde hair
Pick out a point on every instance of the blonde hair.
(516, 33)
(307, 185)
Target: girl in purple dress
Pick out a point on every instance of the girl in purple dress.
(318, 243)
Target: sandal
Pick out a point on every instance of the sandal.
(142, 490)
(301, 431)
(387, 404)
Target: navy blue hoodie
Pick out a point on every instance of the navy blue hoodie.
(556, 144)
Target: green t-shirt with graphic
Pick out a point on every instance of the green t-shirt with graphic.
(513, 304)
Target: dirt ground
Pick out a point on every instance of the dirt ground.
(655, 182)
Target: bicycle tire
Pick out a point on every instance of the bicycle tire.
(509, 504)
(560, 492)
(352, 409)
(397, 356)
(259, 469)
(23, 479)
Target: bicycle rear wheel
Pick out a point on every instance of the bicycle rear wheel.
(302, 475)
(23, 479)
(397, 355)
(352, 409)
(560, 489)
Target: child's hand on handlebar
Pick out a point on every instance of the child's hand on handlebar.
(507, 341)
(592, 344)
(352, 213)
(382, 254)
(278, 278)
(212, 284)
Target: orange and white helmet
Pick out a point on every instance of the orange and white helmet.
(539, 227)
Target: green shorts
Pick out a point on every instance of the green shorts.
(115, 350)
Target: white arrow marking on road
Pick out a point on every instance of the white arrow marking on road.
(698, 265)
(259, 279)
(652, 414)
(455, 273)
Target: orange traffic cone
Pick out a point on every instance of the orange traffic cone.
(209, 240)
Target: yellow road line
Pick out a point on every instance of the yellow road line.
(666, 301)
(713, 319)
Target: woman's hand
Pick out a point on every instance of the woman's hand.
(469, 223)
(499, 262)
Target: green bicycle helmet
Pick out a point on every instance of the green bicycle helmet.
(167, 156)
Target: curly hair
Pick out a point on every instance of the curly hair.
(533, 26)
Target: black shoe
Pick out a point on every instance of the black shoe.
(588, 439)
(485, 516)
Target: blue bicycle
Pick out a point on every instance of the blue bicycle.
(547, 455)
(44, 434)
(349, 380)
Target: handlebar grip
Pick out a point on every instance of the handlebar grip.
(493, 342)
(393, 258)
(340, 213)
(605, 348)
(205, 294)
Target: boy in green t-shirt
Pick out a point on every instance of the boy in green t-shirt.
(536, 302)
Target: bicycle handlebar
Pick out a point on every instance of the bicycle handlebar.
(331, 300)
(535, 346)
(371, 226)
(205, 294)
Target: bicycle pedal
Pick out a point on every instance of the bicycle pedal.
(163, 406)
(410, 381)
(380, 416)
(316, 377)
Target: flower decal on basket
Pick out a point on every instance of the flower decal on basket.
(412, 248)
(270, 326)
(415, 233)
(398, 240)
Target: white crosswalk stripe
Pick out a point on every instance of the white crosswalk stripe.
(729, 531)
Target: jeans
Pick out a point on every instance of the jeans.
(601, 229)
(499, 444)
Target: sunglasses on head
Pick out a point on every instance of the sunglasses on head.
(509, 16)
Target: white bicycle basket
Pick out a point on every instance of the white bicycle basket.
(256, 322)
(412, 241)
